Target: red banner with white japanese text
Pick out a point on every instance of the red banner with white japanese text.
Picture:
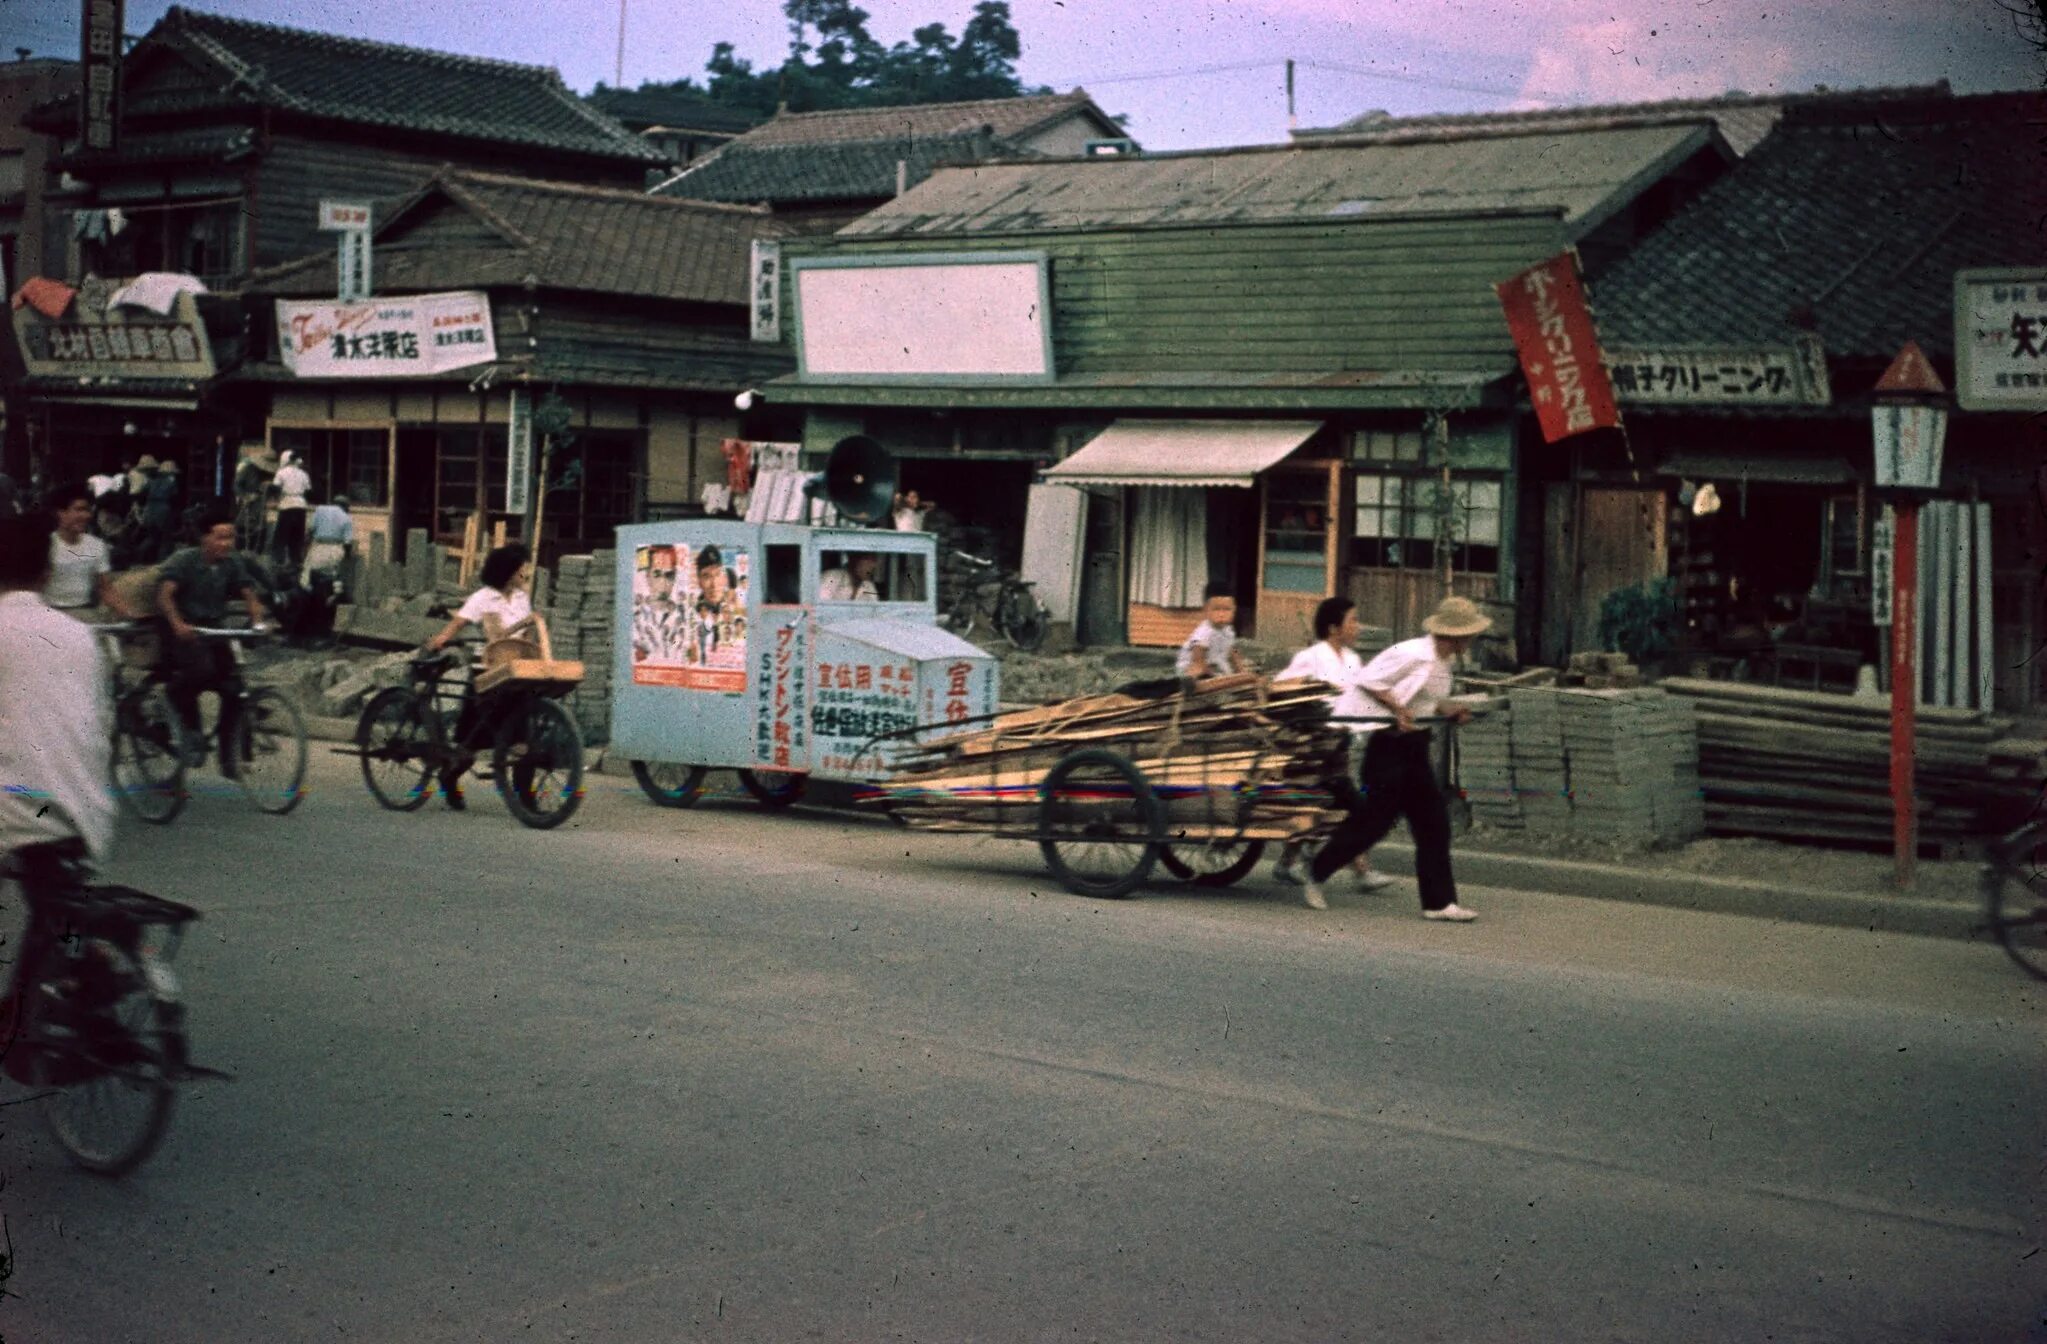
(1559, 350)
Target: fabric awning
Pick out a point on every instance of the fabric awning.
(1182, 452)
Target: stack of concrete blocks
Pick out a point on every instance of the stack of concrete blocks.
(1485, 766)
(580, 620)
(1536, 748)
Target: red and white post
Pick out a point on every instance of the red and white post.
(1905, 689)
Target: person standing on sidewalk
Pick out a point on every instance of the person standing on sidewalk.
(1332, 658)
(293, 484)
(1406, 682)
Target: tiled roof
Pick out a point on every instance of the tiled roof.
(1743, 119)
(1582, 174)
(378, 84)
(1008, 118)
(836, 171)
(641, 109)
(566, 236)
(1850, 220)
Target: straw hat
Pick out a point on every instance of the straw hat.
(146, 463)
(1457, 617)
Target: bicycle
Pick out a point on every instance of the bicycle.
(93, 1016)
(411, 734)
(2015, 896)
(153, 750)
(1006, 600)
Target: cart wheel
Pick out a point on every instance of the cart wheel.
(1099, 824)
(1214, 863)
(669, 784)
(775, 790)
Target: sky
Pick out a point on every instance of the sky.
(1204, 73)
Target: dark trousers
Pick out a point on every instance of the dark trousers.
(290, 541)
(201, 665)
(1397, 780)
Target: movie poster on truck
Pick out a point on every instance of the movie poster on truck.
(689, 617)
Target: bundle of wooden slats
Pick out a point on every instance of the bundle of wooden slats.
(1807, 764)
(1240, 757)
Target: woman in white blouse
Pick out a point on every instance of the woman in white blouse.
(501, 607)
(1406, 682)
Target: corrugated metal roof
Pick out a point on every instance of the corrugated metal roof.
(1009, 117)
(1583, 174)
(1182, 452)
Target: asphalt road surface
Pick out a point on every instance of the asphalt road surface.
(717, 1074)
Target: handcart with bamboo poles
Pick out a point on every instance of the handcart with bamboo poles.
(1199, 779)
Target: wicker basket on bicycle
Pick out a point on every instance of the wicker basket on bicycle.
(523, 657)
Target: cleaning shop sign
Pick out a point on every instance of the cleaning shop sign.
(412, 337)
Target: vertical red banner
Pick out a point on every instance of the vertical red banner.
(1559, 350)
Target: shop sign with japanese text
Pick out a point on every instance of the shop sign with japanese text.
(2001, 339)
(99, 111)
(1559, 350)
(782, 718)
(1696, 375)
(412, 337)
(764, 284)
(1883, 548)
(91, 342)
(857, 701)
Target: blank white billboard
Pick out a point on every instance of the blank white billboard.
(982, 318)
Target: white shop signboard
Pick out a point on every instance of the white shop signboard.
(412, 337)
(2001, 339)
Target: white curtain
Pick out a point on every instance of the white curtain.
(1956, 660)
(1169, 545)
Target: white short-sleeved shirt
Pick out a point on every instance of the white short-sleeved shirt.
(1217, 639)
(292, 485)
(1410, 675)
(509, 609)
(839, 585)
(54, 729)
(1339, 668)
(75, 570)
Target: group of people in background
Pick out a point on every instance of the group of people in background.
(1387, 705)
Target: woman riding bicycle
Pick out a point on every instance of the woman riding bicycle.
(502, 609)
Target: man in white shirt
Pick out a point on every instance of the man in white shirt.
(55, 715)
(329, 535)
(1404, 683)
(293, 484)
(852, 582)
(80, 566)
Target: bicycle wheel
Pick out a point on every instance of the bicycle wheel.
(1214, 863)
(270, 751)
(397, 744)
(149, 772)
(110, 1121)
(773, 790)
(966, 606)
(1023, 619)
(539, 764)
(1099, 824)
(2015, 902)
(669, 784)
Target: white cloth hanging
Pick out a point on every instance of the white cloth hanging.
(1169, 545)
(156, 290)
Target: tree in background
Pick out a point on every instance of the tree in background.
(835, 62)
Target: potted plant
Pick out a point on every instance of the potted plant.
(1642, 622)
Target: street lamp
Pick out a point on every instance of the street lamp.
(1908, 419)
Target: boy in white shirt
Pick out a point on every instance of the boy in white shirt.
(80, 565)
(1211, 651)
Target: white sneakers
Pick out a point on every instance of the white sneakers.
(1312, 897)
(1373, 880)
(1453, 912)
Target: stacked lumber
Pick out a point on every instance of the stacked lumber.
(581, 620)
(1810, 764)
(1617, 767)
(1239, 756)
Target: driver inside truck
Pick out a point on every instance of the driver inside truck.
(852, 581)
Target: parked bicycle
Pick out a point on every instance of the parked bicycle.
(152, 753)
(2015, 896)
(93, 1017)
(410, 735)
(1006, 600)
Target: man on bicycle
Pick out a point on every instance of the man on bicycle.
(197, 583)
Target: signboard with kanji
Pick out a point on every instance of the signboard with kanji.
(2001, 339)
(764, 286)
(412, 337)
(1559, 350)
(1794, 375)
(92, 341)
(99, 110)
(519, 451)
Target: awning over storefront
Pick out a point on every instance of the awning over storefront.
(1182, 452)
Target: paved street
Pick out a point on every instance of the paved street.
(724, 1075)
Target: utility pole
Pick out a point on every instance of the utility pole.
(1292, 122)
(618, 69)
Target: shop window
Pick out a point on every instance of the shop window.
(1400, 520)
(1296, 532)
(203, 239)
(592, 486)
(1395, 447)
(355, 460)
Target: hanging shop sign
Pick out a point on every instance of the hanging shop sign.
(765, 284)
(99, 110)
(413, 337)
(2001, 339)
(1702, 375)
(91, 340)
(1559, 349)
(519, 453)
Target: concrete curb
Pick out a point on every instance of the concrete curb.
(1878, 912)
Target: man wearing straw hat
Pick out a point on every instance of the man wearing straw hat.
(1407, 682)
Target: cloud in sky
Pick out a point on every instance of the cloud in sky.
(1407, 56)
